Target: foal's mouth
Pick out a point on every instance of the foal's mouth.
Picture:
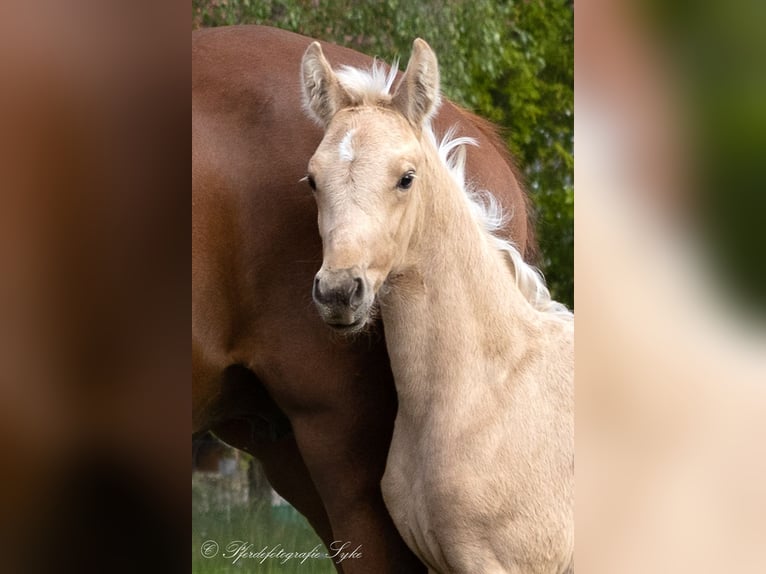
(357, 325)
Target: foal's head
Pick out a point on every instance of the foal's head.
(365, 178)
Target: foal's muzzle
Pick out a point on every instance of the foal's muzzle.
(343, 298)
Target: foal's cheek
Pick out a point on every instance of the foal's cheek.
(381, 262)
(402, 231)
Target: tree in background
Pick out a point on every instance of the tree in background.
(510, 61)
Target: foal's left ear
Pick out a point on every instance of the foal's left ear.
(323, 95)
(417, 96)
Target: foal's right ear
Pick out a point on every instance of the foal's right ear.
(323, 95)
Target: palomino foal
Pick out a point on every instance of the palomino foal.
(479, 476)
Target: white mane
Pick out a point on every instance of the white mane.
(373, 85)
(369, 86)
(487, 209)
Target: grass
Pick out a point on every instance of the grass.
(222, 514)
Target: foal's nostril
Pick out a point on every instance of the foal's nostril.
(318, 295)
(357, 292)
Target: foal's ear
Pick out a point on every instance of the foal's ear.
(417, 96)
(323, 95)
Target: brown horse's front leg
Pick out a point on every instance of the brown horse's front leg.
(285, 470)
(345, 450)
(349, 484)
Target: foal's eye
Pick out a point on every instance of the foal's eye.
(406, 180)
(312, 183)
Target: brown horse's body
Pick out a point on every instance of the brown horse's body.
(261, 355)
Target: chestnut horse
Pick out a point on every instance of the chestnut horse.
(269, 377)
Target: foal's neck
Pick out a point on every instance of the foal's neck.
(453, 313)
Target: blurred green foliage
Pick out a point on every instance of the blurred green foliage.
(510, 61)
